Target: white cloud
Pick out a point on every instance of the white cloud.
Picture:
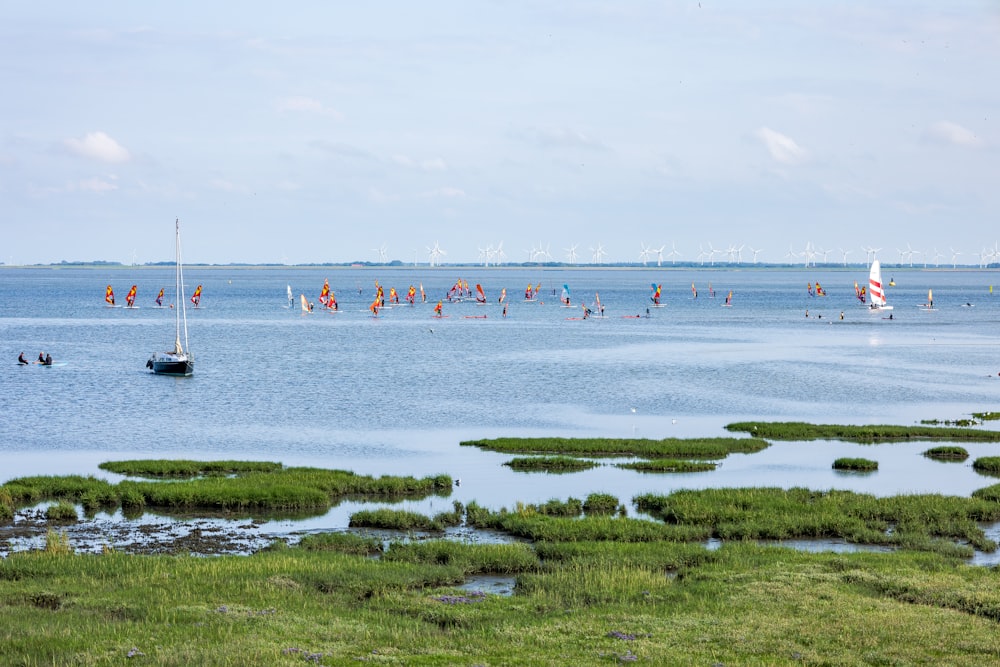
(953, 133)
(98, 146)
(782, 148)
(302, 104)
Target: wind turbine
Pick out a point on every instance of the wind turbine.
(598, 253)
(954, 254)
(755, 251)
(845, 253)
(435, 253)
(500, 254)
(643, 253)
(571, 253)
(659, 255)
(382, 254)
(673, 253)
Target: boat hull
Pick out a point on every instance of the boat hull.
(163, 363)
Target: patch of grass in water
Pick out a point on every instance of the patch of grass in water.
(550, 464)
(856, 464)
(947, 453)
(861, 434)
(694, 448)
(157, 468)
(989, 465)
(986, 416)
(669, 465)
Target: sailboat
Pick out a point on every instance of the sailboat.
(176, 361)
(875, 288)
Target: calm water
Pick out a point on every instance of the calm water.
(396, 394)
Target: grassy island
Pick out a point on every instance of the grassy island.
(871, 433)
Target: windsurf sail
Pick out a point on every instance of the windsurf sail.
(819, 290)
(859, 292)
(423, 295)
(694, 292)
(304, 304)
(809, 289)
(480, 295)
(159, 298)
(109, 295)
(930, 298)
(291, 299)
(657, 292)
(411, 295)
(393, 295)
(130, 297)
(196, 297)
(538, 286)
(729, 298)
(438, 308)
(597, 302)
(875, 285)
(324, 295)
(527, 292)
(503, 295)
(564, 297)
(376, 304)
(711, 292)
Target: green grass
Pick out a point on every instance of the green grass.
(947, 453)
(669, 465)
(61, 512)
(695, 448)
(580, 603)
(855, 464)
(185, 468)
(986, 416)
(275, 489)
(551, 464)
(987, 464)
(948, 525)
(862, 434)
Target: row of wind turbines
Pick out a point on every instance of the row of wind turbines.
(811, 255)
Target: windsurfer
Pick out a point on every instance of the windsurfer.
(21, 359)
(505, 310)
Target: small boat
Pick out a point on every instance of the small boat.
(178, 361)
(875, 288)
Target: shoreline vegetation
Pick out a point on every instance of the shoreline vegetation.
(573, 581)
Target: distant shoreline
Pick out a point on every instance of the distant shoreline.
(854, 267)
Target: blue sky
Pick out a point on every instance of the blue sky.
(323, 131)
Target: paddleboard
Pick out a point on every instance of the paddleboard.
(440, 317)
(473, 317)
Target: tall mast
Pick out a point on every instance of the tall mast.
(180, 293)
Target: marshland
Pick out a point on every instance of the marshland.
(526, 490)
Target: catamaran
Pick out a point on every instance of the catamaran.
(176, 361)
(875, 288)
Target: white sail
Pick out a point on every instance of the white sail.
(290, 297)
(875, 290)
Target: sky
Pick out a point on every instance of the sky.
(316, 132)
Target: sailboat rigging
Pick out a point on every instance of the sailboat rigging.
(178, 361)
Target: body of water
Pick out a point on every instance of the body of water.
(396, 394)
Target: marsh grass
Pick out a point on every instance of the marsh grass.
(696, 448)
(946, 524)
(989, 465)
(669, 465)
(986, 416)
(579, 602)
(389, 519)
(274, 489)
(550, 464)
(855, 464)
(602, 503)
(61, 512)
(862, 434)
(947, 453)
(345, 543)
(57, 542)
(157, 468)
